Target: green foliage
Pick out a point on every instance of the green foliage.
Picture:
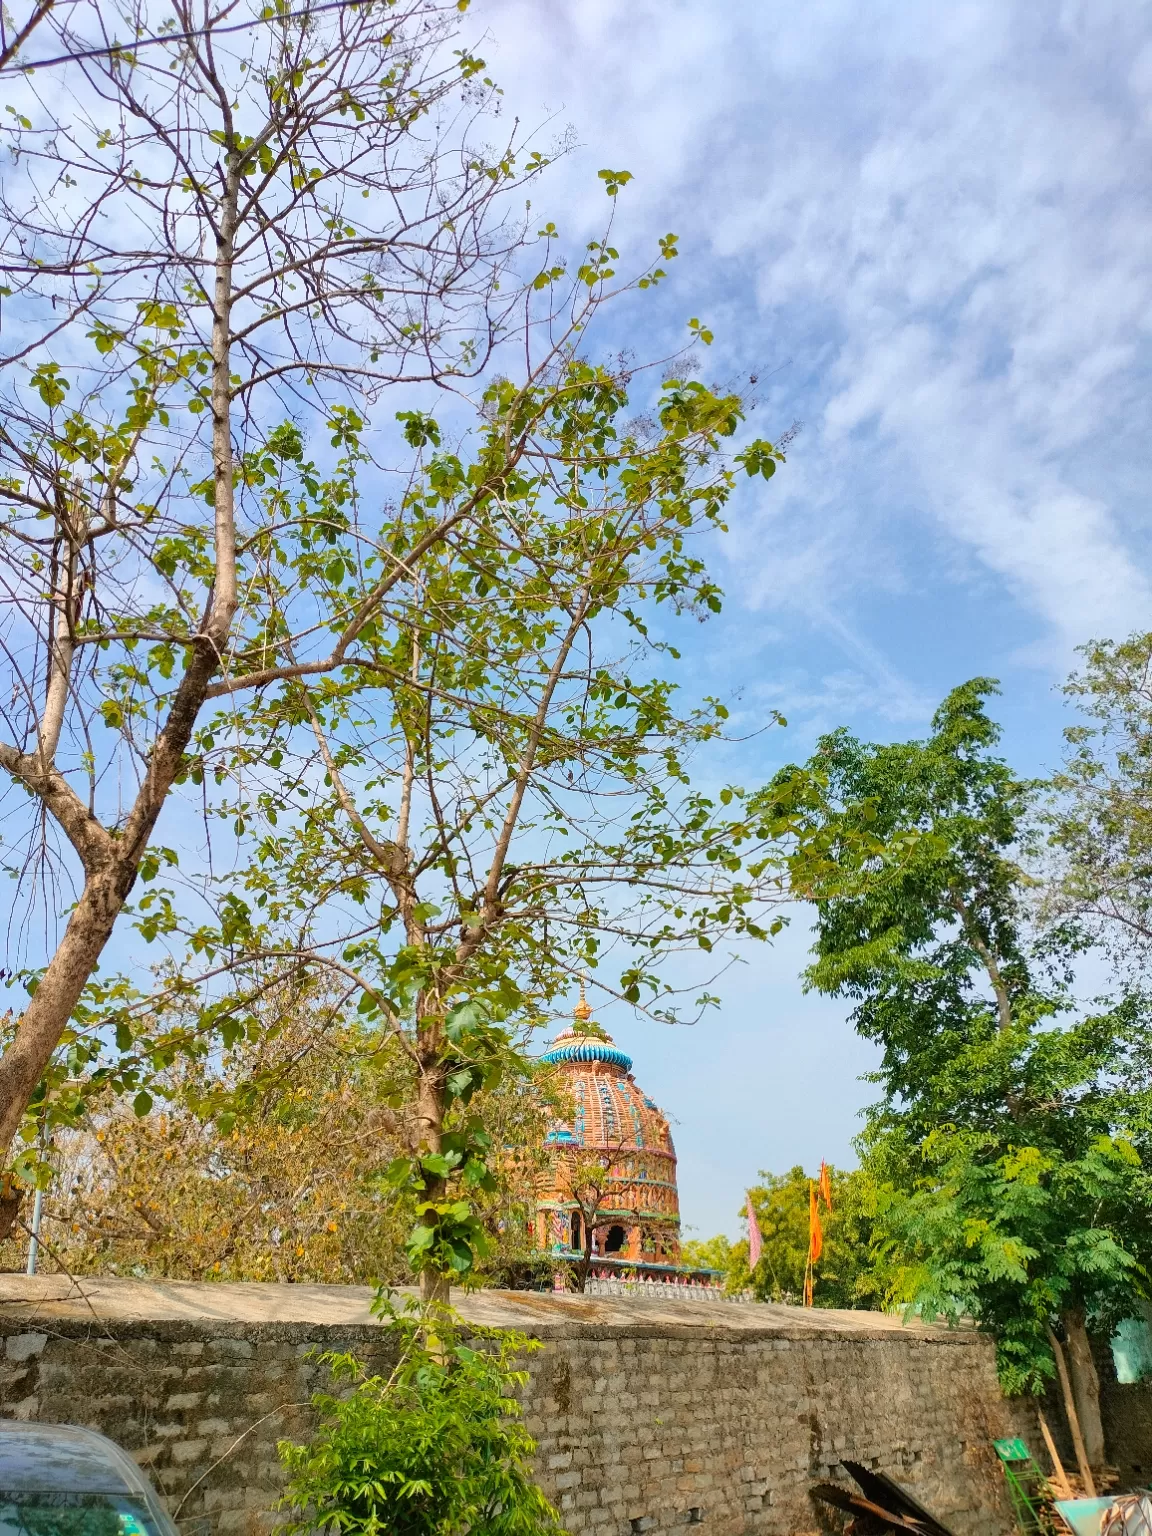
(710, 1253)
(1010, 1148)
(614, 180)
(444, 1185)
(845, 1276)
(434, 1449)
(1100, 816)
(903, 932)
(493, 792)
(1018, 1228)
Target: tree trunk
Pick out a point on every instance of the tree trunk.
(435, 1287)
(111, 862)
(582, 1271)
(1082, 1461)
(110, 869)
(46, 1016)
(1085, 1387)
(435, 1284)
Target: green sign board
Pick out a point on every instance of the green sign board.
(1012, 1450)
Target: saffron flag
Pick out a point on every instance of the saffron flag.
(753, 1236)
(826, 1184)
(815, 1230)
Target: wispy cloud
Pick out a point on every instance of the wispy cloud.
(944, 222)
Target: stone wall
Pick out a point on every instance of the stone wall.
(649, 1416)
(1126, 1409)
(1127, 1414)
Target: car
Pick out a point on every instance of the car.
(60, 1480)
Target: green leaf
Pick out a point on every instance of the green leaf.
(614, 180)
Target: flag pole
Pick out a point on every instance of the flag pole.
(810, 1266)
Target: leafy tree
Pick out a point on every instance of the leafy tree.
(223, 234)
(1010, 1143)
(589, 1180)
(713, 1253)
(1100, 818)
(264, 1161)
(434, 1449)
(433, 730)
(498, 797)
(845, 1275)
(289, 1193)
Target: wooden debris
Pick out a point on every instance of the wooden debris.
(883, 1505)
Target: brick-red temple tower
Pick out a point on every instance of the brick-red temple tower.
(616, 1126)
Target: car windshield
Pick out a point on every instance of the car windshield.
(46, 1513)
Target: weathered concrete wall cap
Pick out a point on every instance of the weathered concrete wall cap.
(532, 1312)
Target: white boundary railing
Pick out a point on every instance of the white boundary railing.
(678, 1290)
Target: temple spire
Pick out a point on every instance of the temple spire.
(583, 1009)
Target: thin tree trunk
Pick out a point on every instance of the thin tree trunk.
(584, 1268)
(51, 1005)
(435, 1285)
(975, 938)
(1085, 1387)
(1073, 1417)
(110, 864)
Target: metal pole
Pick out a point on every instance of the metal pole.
(34, 1241)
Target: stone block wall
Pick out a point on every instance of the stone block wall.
(653, 1434)
(647, 1418)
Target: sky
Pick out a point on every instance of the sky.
(927, 232)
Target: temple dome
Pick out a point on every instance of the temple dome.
(615, 1122)
(573, 1047)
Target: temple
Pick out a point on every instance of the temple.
(611, 1166)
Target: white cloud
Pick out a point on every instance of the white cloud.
(944, 223)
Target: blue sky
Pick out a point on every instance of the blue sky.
(928, 232)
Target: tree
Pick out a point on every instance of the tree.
(289, 1193)
(589, 1181)
(220, 237)
(719, 1254)
(498, 796)
(1010, 1145)
(1100, 818)
(845, 1275)
(264, 1161)
(499, 801)
(436, 1447)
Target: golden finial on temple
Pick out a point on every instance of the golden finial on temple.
(583, 1009)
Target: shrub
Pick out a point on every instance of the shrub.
(434, 1449)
